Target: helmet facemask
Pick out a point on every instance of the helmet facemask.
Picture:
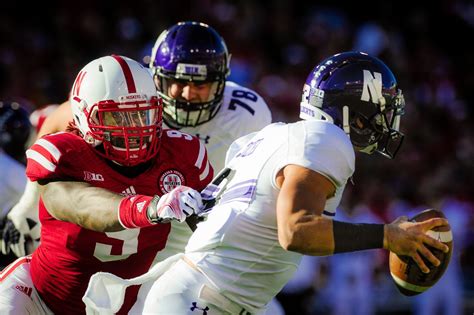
(129, 130)
(190, 53)
(178, 112)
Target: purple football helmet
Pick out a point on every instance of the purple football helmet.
(15, 129)
(358, 93)
(190, 52)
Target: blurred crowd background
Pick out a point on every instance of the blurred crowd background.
(274, 45)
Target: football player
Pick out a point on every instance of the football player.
(190, 64)
(21, 233)
(281, 197)
(15, 131)
(118, 145)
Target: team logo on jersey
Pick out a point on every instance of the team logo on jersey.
(170, 179)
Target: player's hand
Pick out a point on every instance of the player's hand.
(22, 226)
(3, 221)
(177, 205)
(11, 239)
(407, 238)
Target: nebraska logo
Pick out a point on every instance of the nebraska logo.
(88, 176)
(170, 180)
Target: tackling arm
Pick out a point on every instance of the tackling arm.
(90, 207)
(100, 210)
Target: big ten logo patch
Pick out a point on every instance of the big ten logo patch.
(89, 176)
(171, 179)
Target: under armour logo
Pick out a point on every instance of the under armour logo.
(195, 307)
(205, 139)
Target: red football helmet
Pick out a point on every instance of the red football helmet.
(115, 104)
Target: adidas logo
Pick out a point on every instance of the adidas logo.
(130, 191)
(26, 290)
(140, 206)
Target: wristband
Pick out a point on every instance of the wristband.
(152, 214)
(350, 237)
(132, 212)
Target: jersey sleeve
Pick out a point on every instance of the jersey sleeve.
(46, 156)
(237, 145)
(193, 152)
(201, 161)
(323, 148)
(262, 116)
(250, 109)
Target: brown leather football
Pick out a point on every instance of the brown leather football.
(406, 274)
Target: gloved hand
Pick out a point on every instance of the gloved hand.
(11, 239)
(178, 204)
(22, 226)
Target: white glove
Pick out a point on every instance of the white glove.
(23, 223)
(177, 205)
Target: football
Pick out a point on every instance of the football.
(406, 274)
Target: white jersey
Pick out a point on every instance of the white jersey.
(242, 111)
(237, 246)
(13, 181)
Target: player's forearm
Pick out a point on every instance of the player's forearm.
(319, 236)
(308, 235)
(90, 207)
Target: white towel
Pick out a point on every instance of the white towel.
(105, 292)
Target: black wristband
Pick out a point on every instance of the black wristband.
(350, 237)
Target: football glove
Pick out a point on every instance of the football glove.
(177, 205)
(22, 224)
